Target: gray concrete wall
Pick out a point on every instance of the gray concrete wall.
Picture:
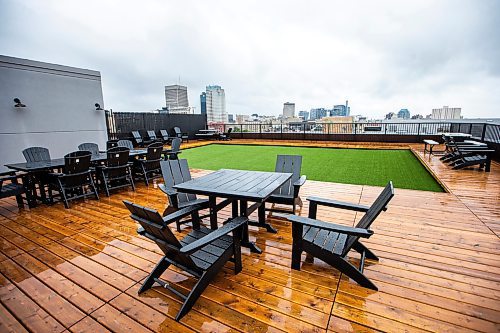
(59, 113)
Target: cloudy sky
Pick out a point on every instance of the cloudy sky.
(380, 55)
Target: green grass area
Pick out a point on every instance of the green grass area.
(350, 166)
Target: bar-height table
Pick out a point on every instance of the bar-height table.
(234, 186)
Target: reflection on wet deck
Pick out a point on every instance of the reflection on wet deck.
(79, 269)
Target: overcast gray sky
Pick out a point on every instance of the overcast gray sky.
(381, 55)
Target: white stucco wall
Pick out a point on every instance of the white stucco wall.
(59, 113)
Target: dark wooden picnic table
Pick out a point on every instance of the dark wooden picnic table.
(237, 187)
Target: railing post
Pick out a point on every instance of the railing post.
(260, 130)
(355, 128)
(418, 130)
(241, 131)
(304, 130)
(484, 132)
(281, 127)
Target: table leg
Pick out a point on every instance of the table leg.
(262, 220)
(212, 204)
(245, 241)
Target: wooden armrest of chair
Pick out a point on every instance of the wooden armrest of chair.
(330, 226)
(338, 204)
(179, 214)
(235, 223)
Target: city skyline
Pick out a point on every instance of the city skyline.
(382, 56)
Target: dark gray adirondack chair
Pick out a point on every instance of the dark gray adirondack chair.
(36, 154)
(180, 134)
(139, 140)
(201, 253)
(76, 181)
(175, 149)
(164, 135)
(10, 186)
(152, 137)
(175, 172)
(288, 193)
(332, 242)
(149, 167)
(126, 143)
(116, 172)
(91, 147)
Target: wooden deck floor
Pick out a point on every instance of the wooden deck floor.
(78, 270)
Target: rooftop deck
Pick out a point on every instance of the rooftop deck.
(79, 269)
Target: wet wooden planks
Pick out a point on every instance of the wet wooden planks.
(79, 270)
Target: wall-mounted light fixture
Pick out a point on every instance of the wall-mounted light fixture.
(18, 103)
(98, 107)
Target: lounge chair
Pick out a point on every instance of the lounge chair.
(466, 158)
(36, 154)
(201, 253)
(226, 136)
(10, 186)
(332, 242)
(175, 149)
(180, 134)
(139, 140)
(152, 137)
(175, 172)
(165, 137)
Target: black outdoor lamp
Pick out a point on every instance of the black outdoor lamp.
(18, 103)
(98, 107)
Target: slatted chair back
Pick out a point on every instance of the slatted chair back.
(152, 135)
(156, 230)
(91, 147)
(288, 164)
(175, 172)
(177, 131)
(36, 154)
(176, 145)
(375, 209)
(126, 143)
(164, 134)
(137, 137)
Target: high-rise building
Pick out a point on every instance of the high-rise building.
(341, 110)
(318, 113)
(176, 99)
(288, 110)
(230, 118)
(203, 103)
(304, 115)
(404, 114)
(446, 113)
(216, 105)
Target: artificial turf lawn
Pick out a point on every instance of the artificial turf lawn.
(350, 166)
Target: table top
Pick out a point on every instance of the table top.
(59, 162)
(457, 135)
(238, 184)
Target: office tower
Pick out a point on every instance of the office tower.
(216, 104)
(446, 113)
(404, 114)
(318, 113)
(304, 115)
(288, 110)
(230, 118)
(203, 103)
(177, 99)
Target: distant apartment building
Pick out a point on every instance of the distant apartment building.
(230, 118)
(216, 104)
(318, 113)
(404, 114)
(176, 99)
(304, 115)
(242, 118)
(203, 103)
(288, 110)
(446, 113)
